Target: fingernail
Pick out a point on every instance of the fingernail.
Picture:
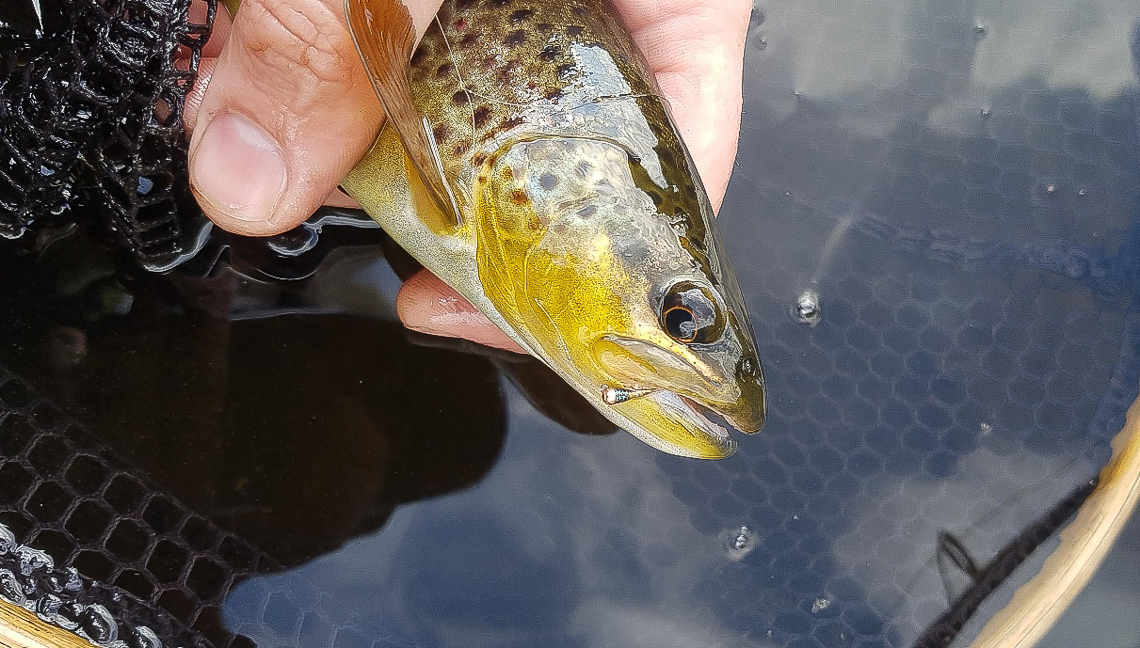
(238, 169)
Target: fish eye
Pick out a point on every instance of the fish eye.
(690, 313)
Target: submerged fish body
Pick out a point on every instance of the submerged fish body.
(549, 186)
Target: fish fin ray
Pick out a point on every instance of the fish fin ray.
(385, 37)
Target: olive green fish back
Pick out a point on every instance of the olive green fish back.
(488, 69)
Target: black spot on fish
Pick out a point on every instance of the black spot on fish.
(587, 211)
(444, 70)
(544, 27)
(515, 38)
(418, 56)
(550, 53)
(521, 15)
(566, 70)
(548, 181)
(481, 115)
(574, 31)
(469, 39)
(461, 98)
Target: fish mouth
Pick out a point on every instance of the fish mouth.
(703, 418)
(676, 424)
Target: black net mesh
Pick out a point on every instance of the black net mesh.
(91, 120)
(135, 556)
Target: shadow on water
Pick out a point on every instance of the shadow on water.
(957, 184)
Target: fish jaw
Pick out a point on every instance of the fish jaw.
(674, 395)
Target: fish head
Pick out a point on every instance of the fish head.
(615, 279)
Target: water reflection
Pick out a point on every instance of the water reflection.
(960, 200)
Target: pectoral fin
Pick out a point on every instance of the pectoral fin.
(384, 37)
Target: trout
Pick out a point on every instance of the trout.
(530, 162)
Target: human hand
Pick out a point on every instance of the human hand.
(283, 109)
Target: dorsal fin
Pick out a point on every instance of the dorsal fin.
(384, 37)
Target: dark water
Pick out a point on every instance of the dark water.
(958, 183)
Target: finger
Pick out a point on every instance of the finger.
(696, 51)
(284, 113)
(428, 305)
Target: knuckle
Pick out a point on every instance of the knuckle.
(301, 43)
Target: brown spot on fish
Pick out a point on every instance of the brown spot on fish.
(548, 181)
(544, 27)
(519, 197)
(553, 92)
(461, 98)
(521, 15)
(578, 11)
(478, 159)
(481, 115)
(444, 70)
(460, 24)
(440, 131)
(469, 39)
(507, 173)
(574, 31)
(515, 38)
(505, 74)
(508, 124)
(418, 56)
(462, 148)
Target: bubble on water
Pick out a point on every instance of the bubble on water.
(806, 309)
(738, 542)
(1082, 192)
(819, 605)
(1051, 189)
(980, 29)
(985, 112)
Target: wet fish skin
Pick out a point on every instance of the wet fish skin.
(582, 228)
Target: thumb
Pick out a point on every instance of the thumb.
(286, 111)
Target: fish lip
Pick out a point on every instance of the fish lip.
(690, 410)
